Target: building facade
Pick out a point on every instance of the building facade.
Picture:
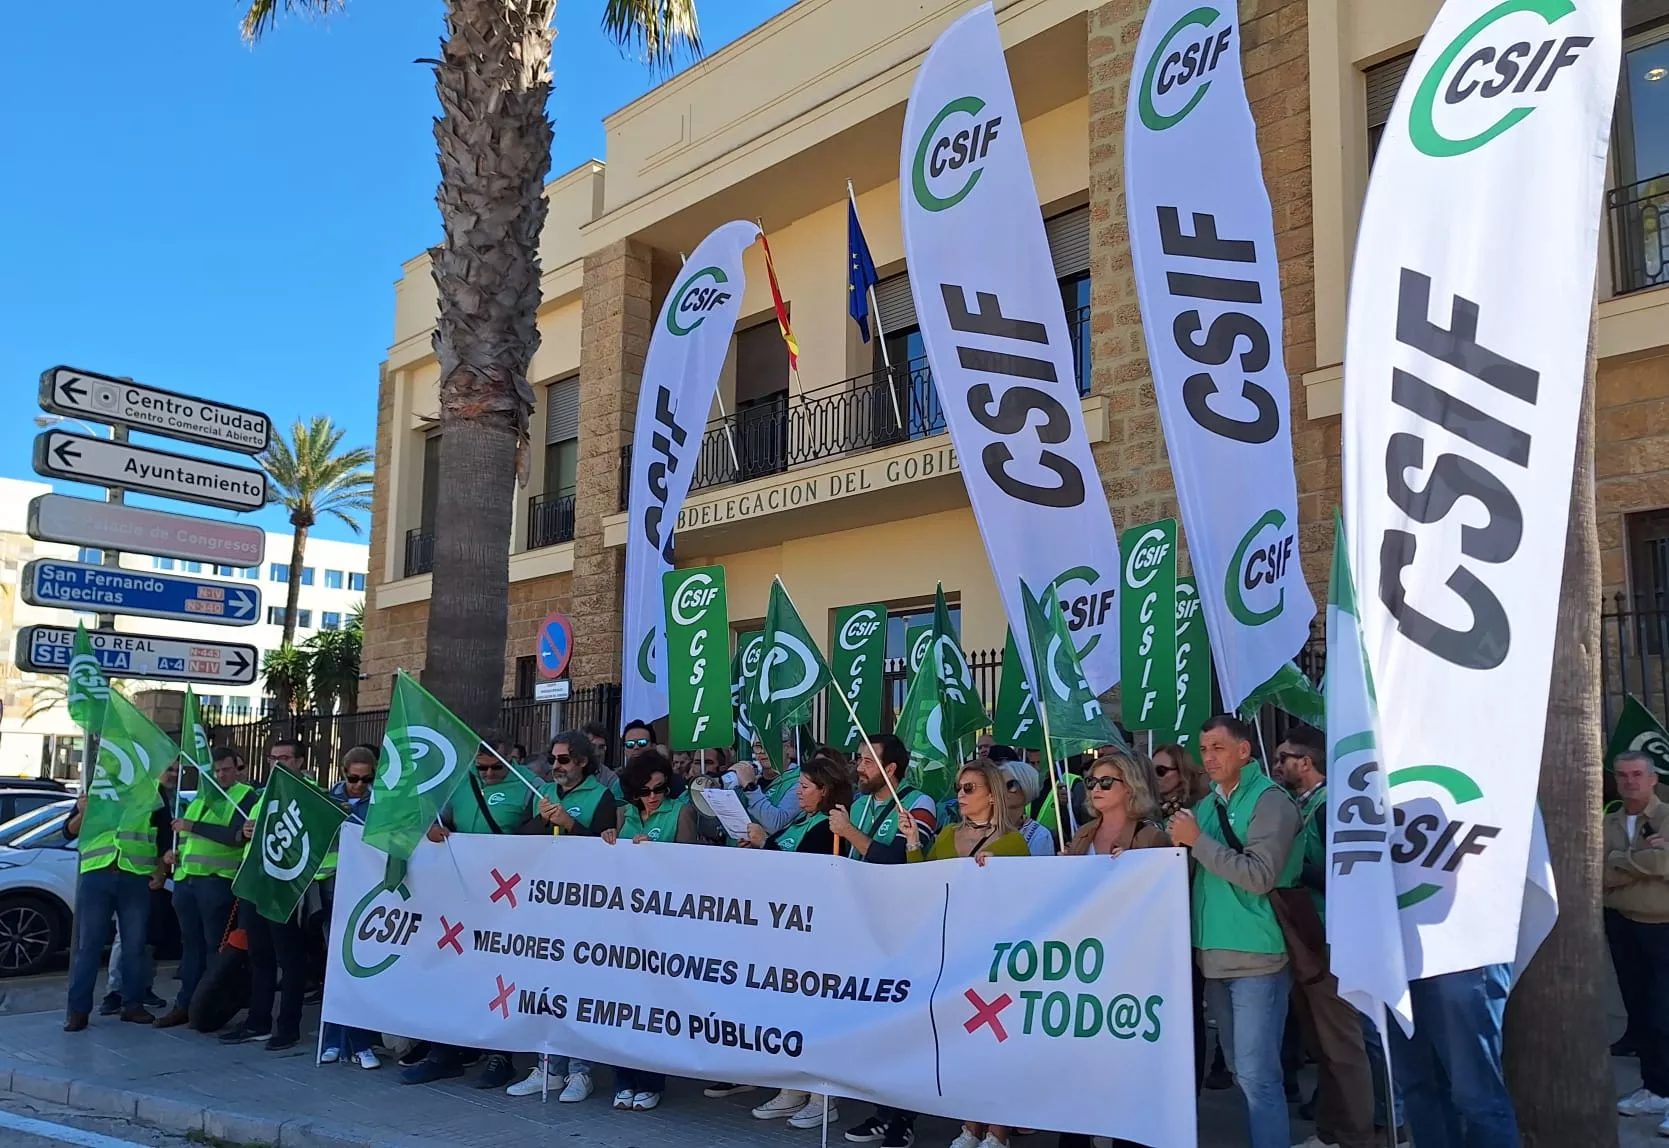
(839, 477)
(37, 737)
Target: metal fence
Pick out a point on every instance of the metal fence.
(420, 552)
(326, 737)
(1634, 654)
(1639, 226)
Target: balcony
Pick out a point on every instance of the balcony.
(550, 519)
(420, 552)
(859, 414)
(1639, 225)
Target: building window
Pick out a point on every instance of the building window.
(192, 567)
(211, 702)
(1383, 80)
(527, 675)
(307, 575)
(237, 706)
(279, 572)
(356, 581)
(333, 579)
(226, 571)
(253, 573)
(902, 624)
(332, 620)
(431, 483)
(1647, 536)
(275, 615)
(762, 399)
(90, 556)
(562, 428)
(1639, 203)
(162, 564)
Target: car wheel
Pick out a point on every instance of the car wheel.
(30, 933)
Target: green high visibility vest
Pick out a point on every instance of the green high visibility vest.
(131, 845)
(877, 817)
(788, 841)
(662, 825)
(200, 857)
(784, 783)
(580, 801)
(509, 803)
(1225, 916)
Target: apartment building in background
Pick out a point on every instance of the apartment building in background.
(809, 474)
(37, 737)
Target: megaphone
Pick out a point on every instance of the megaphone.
(699, 799)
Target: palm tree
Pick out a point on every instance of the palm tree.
(315, 477)
(494, 142)
(286, 675)
(333, 669)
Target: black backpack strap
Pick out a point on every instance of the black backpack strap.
(1230, 837)
(481, 801)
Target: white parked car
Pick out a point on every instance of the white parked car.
(37, 891)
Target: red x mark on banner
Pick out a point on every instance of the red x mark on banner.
(987, 1014)
(506, 887)
(451, 937)
(502, 1000)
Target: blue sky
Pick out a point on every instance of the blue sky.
(229, 221)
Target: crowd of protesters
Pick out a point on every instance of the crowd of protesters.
(1255, 836)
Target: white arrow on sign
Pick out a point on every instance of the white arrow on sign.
(242, 603)
(101, 398)
(82, 458)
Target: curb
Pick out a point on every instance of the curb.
(171, 1115)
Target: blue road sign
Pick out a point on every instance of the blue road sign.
(113, 590)
(556, 645)
(48, 649)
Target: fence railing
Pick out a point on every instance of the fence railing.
(1639, 225)
(326, 737)
(420, 552)
(1634, 654)
(863, 413)
(550, 519)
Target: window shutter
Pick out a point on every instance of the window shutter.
(894, 306)
(562, 411)
(1069, 242)
(1383, 82)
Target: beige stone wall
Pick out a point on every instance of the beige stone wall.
(375, 654)
(1631, 455)
(531, 602)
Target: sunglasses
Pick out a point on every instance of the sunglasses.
(656, 790)
(485, 765)
(357, 779)
(1102, 783)
(1286, 757)
(1163, 770)
(636, 743)
(970, 787)
(562, 758)
(1012, 786)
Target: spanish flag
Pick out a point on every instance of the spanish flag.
(782, 308)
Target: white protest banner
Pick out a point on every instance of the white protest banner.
(943, 987)
(996, 338)
(1464, 356)
(1208, 276)
(680, 377)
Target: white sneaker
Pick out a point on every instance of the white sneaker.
(1663, 1129)
(367, 1059)
(330, 1056)
(1313, 1142)
(1642, 1102)
(623, 1100)
(577, 1088)
(966, 1139)
(811, 1116)
(644, 1101)
(533, 1085)
(785, 1103)
(992, 1142)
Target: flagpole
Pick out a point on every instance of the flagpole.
(516, 773)
(856, 724)
(793, 363)
(1054, 778)
(875, 314)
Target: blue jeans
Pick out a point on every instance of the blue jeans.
(100, 895)
(202, 904)
(147, 964)
(1258, 1008)
(1450, 1068)
(347, 1041)
(636, 1080)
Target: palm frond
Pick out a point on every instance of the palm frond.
(313, 474)
(261, 15)
(659, 31)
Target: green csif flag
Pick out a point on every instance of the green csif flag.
(1639, 731)
(1072, 716)
(791, 673)
(1147, 626)
(87, 690)
(942, 711)
(858, 656)
(744, 667)
(1291, 691)
(426, 754)
(194, 752)
(1015, 722)
(133, 756)
(1193, 666)
(697, 636)
(294, 829)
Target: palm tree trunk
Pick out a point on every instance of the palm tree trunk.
(1563, 1087)
(292, 595)
(494, 143)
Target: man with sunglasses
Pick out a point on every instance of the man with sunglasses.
(496, 799)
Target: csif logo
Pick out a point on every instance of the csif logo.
(424, 747)
(1260, 562)
(696, 298)
(1086, 609)
(951, 153)
(1430, 841)
(377, 931)
(787, 671)
(859, 628)
(110, 783)
(286, 846)
(1147, 558)
(1489, 78)
(692, 598)
(1179, 72)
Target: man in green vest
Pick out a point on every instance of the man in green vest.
(209, 847)
(1333, 1027)
(770, 796)
(1242, 838)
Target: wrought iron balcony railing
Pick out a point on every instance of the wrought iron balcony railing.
(862, 413)
(1639, 225)
(420, 552)
(550, 519)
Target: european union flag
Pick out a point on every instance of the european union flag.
(860, 271)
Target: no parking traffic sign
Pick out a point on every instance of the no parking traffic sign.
(555, 646)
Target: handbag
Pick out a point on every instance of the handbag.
(1301, 926)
